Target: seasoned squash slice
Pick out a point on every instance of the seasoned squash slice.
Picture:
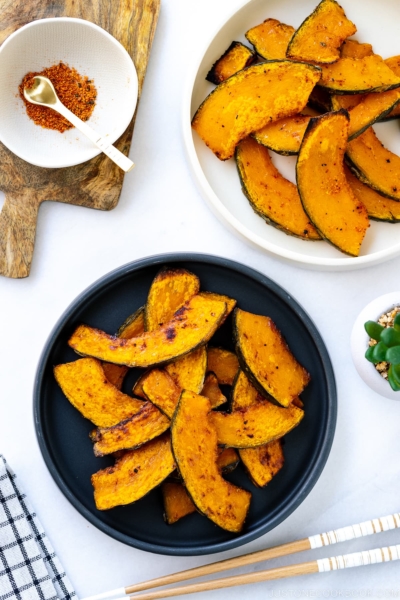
(264, 462)
(135, 474)
(270, 39)
(162, 391)
(212, 392)
(358, 76)
(255, 425)
(266, 359)
(250, 99)
(230, 302)
(378, 207)
(194, 443)
(319, 37)
(86, 387)
(324, 191)
(374, 164)
(137, 389)
(145, 425)
(170, 290)
(223, 363)
(354, 49)
(235, 58)
(189, 371)
(177, 502)
(283, 136)
(347, 102)
(394, 64)
(192, 326)
(271, 196)
(369, 109)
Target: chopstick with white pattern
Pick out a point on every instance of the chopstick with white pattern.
(315, 541)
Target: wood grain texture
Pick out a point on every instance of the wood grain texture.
(94, 184)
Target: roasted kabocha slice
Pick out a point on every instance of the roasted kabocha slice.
(135, 474)
(270, 39)
(235, 58)
(250, 99)
(358, 76)
(320, 36)
(89, 391)
(354, 49)
(394, 64)
(191, 327)
(271, 196)
(284, 136)
(189, 371)
(378, 207)
(195, 447)
(266, 358)
(211, 390)
(374, 164)
(327, 197)
(223, 363)
(162, 391)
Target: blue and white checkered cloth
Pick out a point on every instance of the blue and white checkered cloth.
(29, 567)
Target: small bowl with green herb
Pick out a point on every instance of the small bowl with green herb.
(375, 345)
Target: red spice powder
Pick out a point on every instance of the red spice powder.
(76, 92)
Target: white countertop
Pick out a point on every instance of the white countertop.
(161, 210)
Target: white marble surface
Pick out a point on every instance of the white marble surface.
(160, 210)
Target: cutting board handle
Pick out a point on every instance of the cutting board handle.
(17, 234)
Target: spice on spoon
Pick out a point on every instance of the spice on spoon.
(76, 92)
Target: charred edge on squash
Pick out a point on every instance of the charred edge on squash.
(212, 76)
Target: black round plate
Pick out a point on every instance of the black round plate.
(63, 433)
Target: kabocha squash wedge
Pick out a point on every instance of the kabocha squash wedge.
(271, 196)
(378, 207)
(250, 99)
(324, 191)
(255, 425)
(189, 371)
(132, 326)
(270, 39)
(394, 64)
(283, 136)
(191, 327)
(145, 425)
(223, 363)
(354, 49)
(230, 302)
(162, 391)
(134, 475)
(358, 76)
(264, 462)
(137, 389)
(374, 164)
(266, 358)
(177, 502)
(319, 37)
(194, 443)
(86, 387)
(170, 290)
(235, 58)
(212, 392)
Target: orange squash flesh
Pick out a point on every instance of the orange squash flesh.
(212, 392)
(115, 374)
(271, 196)
(255, 425)
(319, 37)
(86, 387)
(162, 391)
(374, 164)
(192, 326)
(223, 363)
(189, 371)
(234, 59)
(270, 39)
(358, 76)
(227, 460)
(266, 358)
(264, 462)
(354, 49)
(378, 207)
(133, 432)
(170, 290)
(250, 99)
(134, 475)
(177, 502)
(394, 64)
(230, 302)
(324, 191)
(194, 443)
(284, 136)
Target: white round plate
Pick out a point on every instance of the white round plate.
(92, 51)
(377, 23)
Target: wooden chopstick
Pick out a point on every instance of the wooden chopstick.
(357, 559)
(315, 541)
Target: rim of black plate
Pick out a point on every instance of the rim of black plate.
(312, 474)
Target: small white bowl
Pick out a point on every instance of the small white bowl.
(359, 344)
(92, 52)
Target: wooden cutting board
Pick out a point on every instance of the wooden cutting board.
(94, 184)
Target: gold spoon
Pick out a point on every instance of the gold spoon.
(44, 94)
